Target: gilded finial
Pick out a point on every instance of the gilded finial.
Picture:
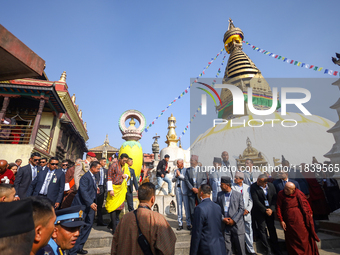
(106, 142)
(80, 113)
(132, 122)
(63, 77)
(73, 98)
(231, 24)
(85, 125)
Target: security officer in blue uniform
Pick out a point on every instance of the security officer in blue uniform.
(66, 231)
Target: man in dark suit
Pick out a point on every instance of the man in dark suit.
(26, 175)
(101, 178)
(49, 183)
(232, 209)
(87, 194)
(130, 183)
(194, 178)
(207, 232)
(280, 183)
(264, 203)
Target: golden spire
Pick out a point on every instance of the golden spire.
(171, 137)
(132, 122)
(240, 71)
(106, 142)
(63, 77)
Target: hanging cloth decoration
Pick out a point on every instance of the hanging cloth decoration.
(291, 61)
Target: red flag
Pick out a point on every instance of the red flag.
(276, 56)
(335, 73)
(311, 67)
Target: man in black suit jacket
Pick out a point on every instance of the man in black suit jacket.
(49, 183)
(101, 178)
(280, 183)
(232, 209)
(26, 175)
(86, 195)
(264, 203)
(130, 183)
(207, 232)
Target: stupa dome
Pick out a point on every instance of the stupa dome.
(272, 140)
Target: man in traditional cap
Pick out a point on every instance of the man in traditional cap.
(232, 209)
(162, 171)
(244, 189)
(215, 177)
(181, 191)
(227, 169)
(66, 231)
(26, 175)
(17, 228)
(86, 196)
(44, 218)
(207, 231)
(194, 178)
(82, 167)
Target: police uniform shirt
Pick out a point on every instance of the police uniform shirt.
(51, 248)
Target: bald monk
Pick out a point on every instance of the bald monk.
(296, 219)
(4, 172)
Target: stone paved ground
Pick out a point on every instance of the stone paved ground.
(99, 242)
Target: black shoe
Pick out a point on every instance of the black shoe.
(102, 224)
(82, 251)
(189, 227)
(179, 228)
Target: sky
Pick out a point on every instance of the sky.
(141, 55)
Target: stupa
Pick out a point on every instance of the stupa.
(299, 143)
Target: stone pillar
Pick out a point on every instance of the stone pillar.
(53, 129)
(37, 121)
(4, 107)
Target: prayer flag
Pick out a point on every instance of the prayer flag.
(335, 73)
(320, 69)
(295, 63)
(316, 68)
(298, 64)
(311, 66)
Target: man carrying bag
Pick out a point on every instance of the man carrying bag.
(143, 231)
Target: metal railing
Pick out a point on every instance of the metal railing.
(15, 134)
(21, 134)
(43, 141)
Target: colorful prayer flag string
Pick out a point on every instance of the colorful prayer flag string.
(185, 91)
(290, 61)
(219, 70)
(188, 125)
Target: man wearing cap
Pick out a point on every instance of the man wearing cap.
(244, 189)
(26, 175)
(232, 209)
(82, 167)
(162, 171)
(181, 191)
(226, 165)
(86, 196)
(17, 228)
(215, 174)
(207, 231)
(194, 178)
(49, 183)
(66, 231)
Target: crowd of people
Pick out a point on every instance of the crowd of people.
(246, 203)
(66, 189)
(51, 206)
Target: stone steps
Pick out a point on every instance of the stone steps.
(100, 239)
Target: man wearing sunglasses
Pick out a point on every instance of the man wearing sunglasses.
(49, 183)
(64, 166)
(43, 163)
(26, 175)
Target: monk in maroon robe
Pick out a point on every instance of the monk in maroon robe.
(296, 219)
